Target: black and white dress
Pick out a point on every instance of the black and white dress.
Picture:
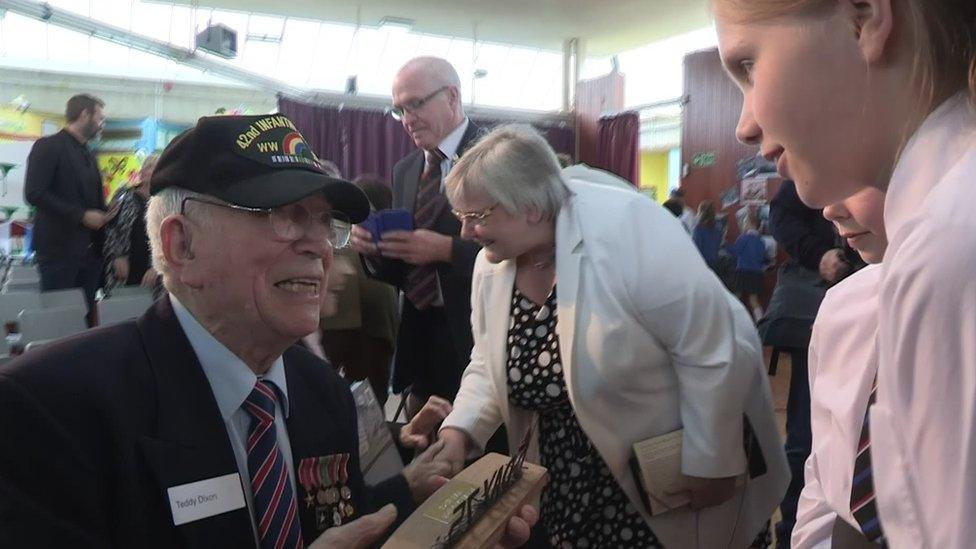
(582, 506)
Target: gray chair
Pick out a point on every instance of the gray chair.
(118, 309)
(12, 285)
(130, 291)
(23, 272)
(12, 303)
(52, 323)
(72, 297)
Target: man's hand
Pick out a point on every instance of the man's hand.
(833, 266)
(419, 247)
(94, 219)
(417, 434)
(519, 527)
(358, 534)
(149, 279)
(426, 473)
(708, 492)
(121, 267)
(361, 241)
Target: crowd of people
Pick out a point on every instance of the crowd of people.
(514, 306)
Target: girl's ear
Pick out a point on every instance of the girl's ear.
(873, 22)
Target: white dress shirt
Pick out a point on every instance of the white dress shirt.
(449, 146)
(231, 382)
(923, 427)
(842, 366)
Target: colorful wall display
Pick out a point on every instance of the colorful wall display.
(119, 170)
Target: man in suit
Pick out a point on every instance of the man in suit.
(201, 424)
(64, 184)
(432, 265)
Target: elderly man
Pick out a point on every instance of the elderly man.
(431, 264)
(201, 424)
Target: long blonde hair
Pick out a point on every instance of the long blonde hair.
(944, 32)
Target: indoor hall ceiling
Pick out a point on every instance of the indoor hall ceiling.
(607, 27)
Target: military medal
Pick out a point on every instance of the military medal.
(307, 478)
(332, 491)
(316, 478)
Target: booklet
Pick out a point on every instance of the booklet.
(656, 464)
(387, 220)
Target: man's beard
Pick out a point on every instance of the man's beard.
(91, 130)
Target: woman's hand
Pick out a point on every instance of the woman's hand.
(708, 492)
(426, 473)
(121, 267)
(454, 448)
(418, 433)
(149, 279)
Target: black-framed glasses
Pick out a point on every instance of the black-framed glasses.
(478, 218)
(399, 111)
(292, 221)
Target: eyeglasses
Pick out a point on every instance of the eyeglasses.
(399, 111)
(478, 218)
(292, 221)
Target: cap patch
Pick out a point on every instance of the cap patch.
(274, 140)
(294, 144)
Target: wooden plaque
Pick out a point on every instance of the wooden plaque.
(460, 506)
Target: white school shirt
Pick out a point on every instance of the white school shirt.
(842, 366)
(923, 427)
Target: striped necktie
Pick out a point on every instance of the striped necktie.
(421, 283)
(275, 508)
(862, 489)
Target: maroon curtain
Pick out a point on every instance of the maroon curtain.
(371, 141)
(358, 141)
(619, 145)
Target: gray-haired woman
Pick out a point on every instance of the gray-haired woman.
(640, 340)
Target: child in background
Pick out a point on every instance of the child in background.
(750, 252)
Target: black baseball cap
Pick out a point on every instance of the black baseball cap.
(252, 161)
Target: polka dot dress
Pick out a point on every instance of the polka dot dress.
(582, 506)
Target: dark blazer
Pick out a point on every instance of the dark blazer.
(96, 427)
(63, 181)
(803, 231)
(455, 277)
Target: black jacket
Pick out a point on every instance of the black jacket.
(96, 427)
(63, 181)
(454, 277)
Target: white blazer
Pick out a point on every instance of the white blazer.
(651, 342)
(923, 426)
(843, 363)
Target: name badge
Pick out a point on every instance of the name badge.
(205, 498)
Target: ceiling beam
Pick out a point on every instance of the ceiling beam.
(56, 16)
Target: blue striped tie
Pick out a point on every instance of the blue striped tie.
(275, 508)
(862, 489)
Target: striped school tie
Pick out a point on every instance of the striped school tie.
(275, 508)
(421, 283)
(862, 489)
